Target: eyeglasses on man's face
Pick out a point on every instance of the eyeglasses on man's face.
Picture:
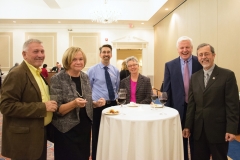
(204, 54)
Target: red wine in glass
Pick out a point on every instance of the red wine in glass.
(163, 97)
(163, 101)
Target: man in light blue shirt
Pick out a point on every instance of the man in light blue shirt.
(100, 89)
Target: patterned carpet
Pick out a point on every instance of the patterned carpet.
(50, 146)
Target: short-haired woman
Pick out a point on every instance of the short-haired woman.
(73, 119)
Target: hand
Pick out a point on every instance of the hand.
(80, 102)
(100, 102)
(186, 133)
(51, 106)
(229, 137)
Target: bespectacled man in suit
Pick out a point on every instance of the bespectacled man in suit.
(213, 107)
(176, 81)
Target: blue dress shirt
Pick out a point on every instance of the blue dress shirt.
(97, 79)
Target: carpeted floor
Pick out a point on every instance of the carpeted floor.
(234, 150)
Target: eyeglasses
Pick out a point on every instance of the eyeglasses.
(204, 54)
(133, 65)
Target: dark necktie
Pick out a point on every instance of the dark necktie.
(186, 80)
(109, 85)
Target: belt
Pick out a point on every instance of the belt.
(109, 102)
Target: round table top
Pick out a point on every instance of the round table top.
(141, 112)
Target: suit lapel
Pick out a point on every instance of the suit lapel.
(194, 64)
(32, 79)
(201, 80)
(139, 82)
(179, 73)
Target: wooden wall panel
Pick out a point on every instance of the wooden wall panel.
(89, 43)
(6, 51)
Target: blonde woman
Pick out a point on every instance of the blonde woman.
(124, 71)
(73, 119)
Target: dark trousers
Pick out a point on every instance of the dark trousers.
(97, 113)
(203, 149)
(185, 140)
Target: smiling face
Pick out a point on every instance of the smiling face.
(184, 49)
(77, 62)
(205, 57)
(106, 55)
(133, 67)
(34, 54)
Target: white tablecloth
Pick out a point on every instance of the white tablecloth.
(140, 133)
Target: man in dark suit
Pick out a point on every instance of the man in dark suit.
(26, 107)
(175, 83)
(213, 108)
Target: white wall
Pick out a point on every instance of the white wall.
(112, 32)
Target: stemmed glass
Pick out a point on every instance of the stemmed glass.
(154, 98)
(163, 98)
(122, 96)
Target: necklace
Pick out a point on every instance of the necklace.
(75, 80)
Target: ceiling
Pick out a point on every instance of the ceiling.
(133, 12)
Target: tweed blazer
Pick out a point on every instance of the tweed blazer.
(23, 115)
(143, 89)
(216, 107)
(65, 89)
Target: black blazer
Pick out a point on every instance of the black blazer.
(216, 107)
(143, 89)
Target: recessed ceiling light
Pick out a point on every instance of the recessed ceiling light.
(166, 9)
(59, 21)
(14, 21)
(142, 23)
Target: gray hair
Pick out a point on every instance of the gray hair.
(184, 38)
(132, 58)
(206, 44)
(29, 41)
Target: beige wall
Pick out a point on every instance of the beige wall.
(211, 21)
(6, 53)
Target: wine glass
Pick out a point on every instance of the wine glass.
(122, 91)
(154, 98)
(163, 98)
(121, 98)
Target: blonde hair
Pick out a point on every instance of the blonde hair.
(69, 55)
(124, 65)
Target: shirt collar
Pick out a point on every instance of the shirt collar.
(188, 60)
(32, 68)
(209, 71)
